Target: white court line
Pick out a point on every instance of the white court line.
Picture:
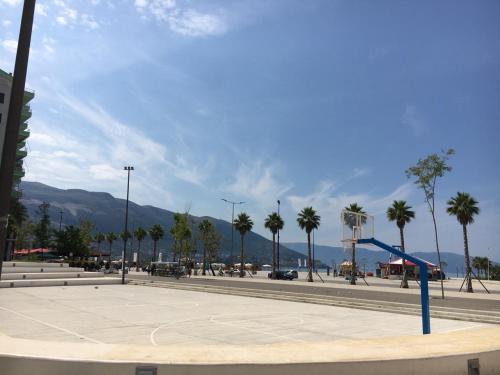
(165, 325)
(51, 325)
(213, 320)
(465, 328)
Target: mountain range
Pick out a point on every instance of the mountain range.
(108, 212)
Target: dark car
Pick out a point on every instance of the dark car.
(281, 275)
(294, 273)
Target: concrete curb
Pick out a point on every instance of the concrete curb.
(446, 353)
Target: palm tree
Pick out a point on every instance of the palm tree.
(99, 238)
(274, 223)
(351, 222)
(476, 263)
(140, 234)
(156, 233)
(110, 237)
(242, 224)
(205, 228)
(308, 220)
(401, 214)
(464, 207)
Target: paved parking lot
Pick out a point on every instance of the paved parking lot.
(154, 316)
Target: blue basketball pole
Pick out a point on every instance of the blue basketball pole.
(424, 287)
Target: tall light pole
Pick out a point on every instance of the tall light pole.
(61, 212)
(278, 252)
(314, 259)
(128, 169)
(232, 226)
(8, 163)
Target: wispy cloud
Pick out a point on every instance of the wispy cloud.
(10, 45)
(11, 2)
(128, 144)
(182, 20)
(93, 150)
(414, 120)
(258, 182)
(65, 15)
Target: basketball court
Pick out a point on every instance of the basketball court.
(116, 314)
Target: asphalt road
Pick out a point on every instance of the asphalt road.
(464, 303)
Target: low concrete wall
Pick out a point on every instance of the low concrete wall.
(446, 353)
(452, 365)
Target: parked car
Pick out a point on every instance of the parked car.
(294, 273)
(234, 272)
(281, 275)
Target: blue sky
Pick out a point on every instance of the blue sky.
(318, 103)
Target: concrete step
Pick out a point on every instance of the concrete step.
(40, 269)
(491, 317)
(59, 282)
(34, 264)
(50, 275)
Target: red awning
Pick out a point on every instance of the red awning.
(31, 251)
(399, 262)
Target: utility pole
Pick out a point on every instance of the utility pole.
(278, 252)
(14, 120)
(128, 169)
(232, 228)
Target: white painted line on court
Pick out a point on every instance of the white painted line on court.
(51, 325)
(466, 328)
(258, 331)
(165, 325)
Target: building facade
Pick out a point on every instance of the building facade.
(21, 153)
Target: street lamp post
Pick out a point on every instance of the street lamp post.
(232, 226)
(314, 259)
(60, 219)
(128, 169)
(278, 252)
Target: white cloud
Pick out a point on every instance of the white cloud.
(10, 45)
(6, 23)
(67, 16)
(126, 144)
(193, 23)
(413, 119)
(258, 182)
(89, 21)
(41, 9)
(184, 21)
(11, 2)
(61, 20)
(48, 45)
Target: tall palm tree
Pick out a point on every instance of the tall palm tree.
(140, 234)
(401, 214)
(99, 238)
(351, 221)
(156, 233)
(110, 237)
(274, 223)
(205, 228)
(242, 224)
(308, 220)
(464, 207)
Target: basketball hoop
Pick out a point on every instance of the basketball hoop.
(355, 226)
